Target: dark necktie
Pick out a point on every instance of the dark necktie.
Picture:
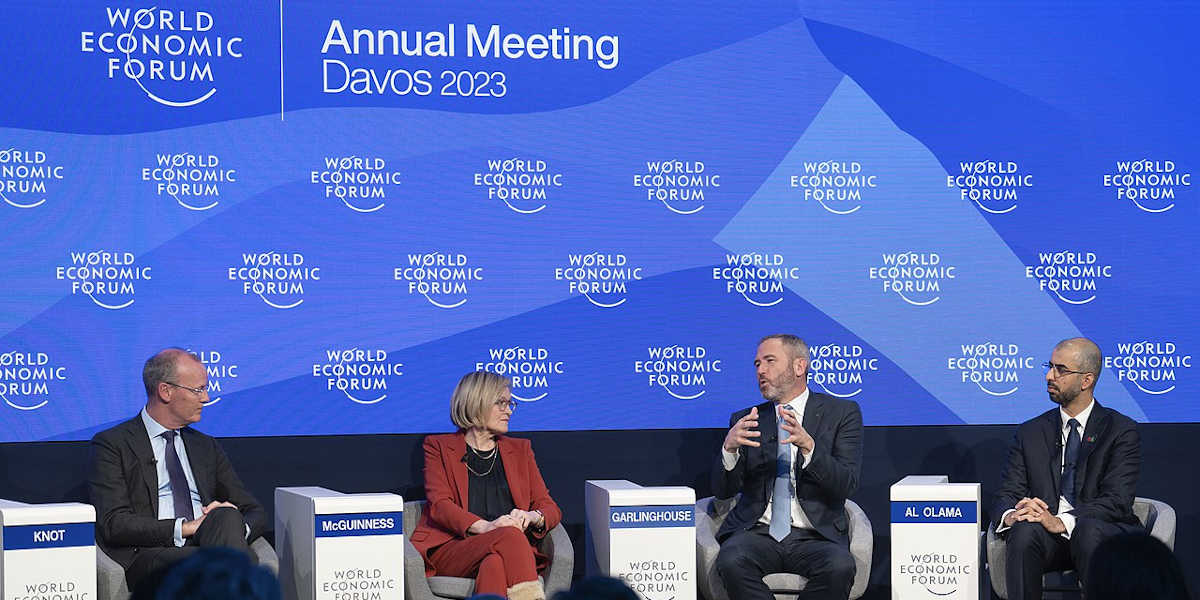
(181, 494)
(1067, 483)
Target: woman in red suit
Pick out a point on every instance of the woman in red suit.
(487, 503)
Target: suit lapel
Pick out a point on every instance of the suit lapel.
(1097, 424)
(811, 419)
(197, 458)
(513, 473)
(139, 444)
(457, 467)
(1052, 428)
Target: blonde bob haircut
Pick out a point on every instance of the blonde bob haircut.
(473, 398)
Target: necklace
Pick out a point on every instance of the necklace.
(490, 457)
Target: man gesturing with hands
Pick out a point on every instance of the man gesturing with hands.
(795, 459)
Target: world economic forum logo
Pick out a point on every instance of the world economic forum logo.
(683, 371)
(523, 185)
(362, 375)
(1152, 366)
(917, 277)
(24, 175)
(757, 277)
(531, 370)
(678, 185)
(601, 278)
(996, 369)
(836, 185)
(277, 278)
(173, 56)
(109, 278)
(28, 378)
(1151, 185)
(362, 184)
(442, 278)
(840, 369)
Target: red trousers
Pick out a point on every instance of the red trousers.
(498, 560)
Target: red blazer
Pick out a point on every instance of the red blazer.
(446, 517)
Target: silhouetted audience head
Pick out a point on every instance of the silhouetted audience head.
(1135, 566)
(598, 588)
(215, 574)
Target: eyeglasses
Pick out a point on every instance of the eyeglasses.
(1060, 370)
(199, 391)
(510, 404)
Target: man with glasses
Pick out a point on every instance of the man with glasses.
(1070, 479)
(162, 489)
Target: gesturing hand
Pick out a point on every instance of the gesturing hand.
(743, 432)
(796, 432)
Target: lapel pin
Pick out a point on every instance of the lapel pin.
(1091, 438)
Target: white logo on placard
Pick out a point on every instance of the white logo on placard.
(192, 180)
(916, 277)
(991, 184)
(680, 370)
(1151, 366)
(840, 367)
(531, 370)
(362, 184)
(169, 54)
(937, 573)
(27, 378)
(444, 276)
(23, 177)
(108, 278)
(519, 183)
(758, 278)
(677, 184)
(1072, 273)
(220, 371)
(995, 368)
(601, 278)
(836, 185)
(1150, 184)
(654, 579)
(276, 277)
(359, 374)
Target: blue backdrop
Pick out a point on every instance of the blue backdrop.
(344, 206)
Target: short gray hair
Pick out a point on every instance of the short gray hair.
(795, 346)
(162, 367)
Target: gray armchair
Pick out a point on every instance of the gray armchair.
(110, 576)
(1158, 518)
(711, 512)
(556, 545)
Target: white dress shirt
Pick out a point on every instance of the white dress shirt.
(1067, 518)
(166, 502)
(730, 460)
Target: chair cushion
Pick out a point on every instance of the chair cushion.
(452, 587)
(785, 582)
(456, 587)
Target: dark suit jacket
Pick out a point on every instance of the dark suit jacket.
(1106, 469)
(123, 485)
(446, 484)
(822, 488)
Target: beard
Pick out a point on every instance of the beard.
(1060, 396)
(775, 389)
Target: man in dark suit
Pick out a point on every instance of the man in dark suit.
(795, 459)
(162, 489)
(1070, 479)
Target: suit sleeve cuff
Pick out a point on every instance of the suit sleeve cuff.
(1001, 527)
(1068, 520)
(729, 459)
(178, 535)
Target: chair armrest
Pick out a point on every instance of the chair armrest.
(266, 555)
(557, 545)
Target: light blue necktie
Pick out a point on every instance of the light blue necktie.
(781, 496)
